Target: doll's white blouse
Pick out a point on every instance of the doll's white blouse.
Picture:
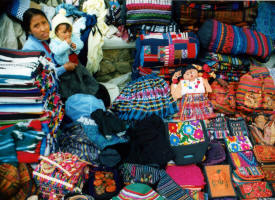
(195, 86)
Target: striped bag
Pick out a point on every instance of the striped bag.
(256, 91)
(229, 39)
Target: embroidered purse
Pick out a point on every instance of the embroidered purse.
(217, 128)
(243, 159)
(259, 189)
(237, 127)
(264, 153)
(188, 140)
(249, 173)
(103, 183)
(219, 181)
(238, 143)
(60, 174)
(269, 172)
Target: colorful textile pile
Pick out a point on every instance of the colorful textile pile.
(228, 39)
(60, 174)
(148, 12)
(222, 66)
(28, 89)
(143, 97)
(190, 15)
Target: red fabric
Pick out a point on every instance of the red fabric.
(73, 58)
(36, 125)
(25, 157)
(46, 46)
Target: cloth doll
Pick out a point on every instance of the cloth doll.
(65, 45)
(190, 91)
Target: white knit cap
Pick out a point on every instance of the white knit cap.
(60, 18)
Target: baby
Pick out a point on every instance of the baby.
(64, 44)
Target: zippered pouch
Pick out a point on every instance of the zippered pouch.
(249, 173)
(259, 189)
(219, 181)
(269, 172)
(264, 153)
(238, 143)
(243, 159)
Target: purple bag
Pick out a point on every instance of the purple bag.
(215, 153)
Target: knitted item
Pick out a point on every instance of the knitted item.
(222, 38)
(60, 18)
(144, 97)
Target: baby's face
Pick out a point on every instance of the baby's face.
(63, 32)
(190, 74)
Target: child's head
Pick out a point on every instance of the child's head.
(63, 31)
(189, 72)
(61, 26)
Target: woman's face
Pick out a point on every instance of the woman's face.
(190, 74)
(39, 27)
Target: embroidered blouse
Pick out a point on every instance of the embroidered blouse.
(195, 86)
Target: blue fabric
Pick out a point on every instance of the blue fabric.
(7, 147)
(33, 44)
(70, 10)
(265, 21)
(62, 50)
(98, 139)
(82, 105)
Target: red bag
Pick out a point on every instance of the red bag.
(223, 96)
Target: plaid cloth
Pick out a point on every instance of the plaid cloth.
(143, 97)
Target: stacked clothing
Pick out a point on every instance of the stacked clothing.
(151, 12)
(28, 89)
(30, 108)
(226, 67)
(190, 15)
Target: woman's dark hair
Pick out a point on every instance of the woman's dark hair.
(68, 27)
(27, 17)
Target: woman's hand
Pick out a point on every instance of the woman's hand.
(70, 66)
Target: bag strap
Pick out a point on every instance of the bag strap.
(55, 164)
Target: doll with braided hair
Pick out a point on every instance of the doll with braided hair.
(190, 91)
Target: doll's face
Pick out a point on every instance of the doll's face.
(190, 74)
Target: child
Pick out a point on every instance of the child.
(191, 91)
(64, 45)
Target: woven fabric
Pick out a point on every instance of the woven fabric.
(237, 126)
(269, 172)
(190, 15)
(264, 153)
(60, 173)
(149, 12)
(255, 92)
(217, 127)
(243, 159)
(249, 173)
(166, 49)
(265, 20)
(143, 97)
(229, 39)
(194, 106)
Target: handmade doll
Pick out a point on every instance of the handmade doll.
(191, 93)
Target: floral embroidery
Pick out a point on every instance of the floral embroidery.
(258, 189)
(185, 133)
(237, 143)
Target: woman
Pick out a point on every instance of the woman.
(37, 28)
